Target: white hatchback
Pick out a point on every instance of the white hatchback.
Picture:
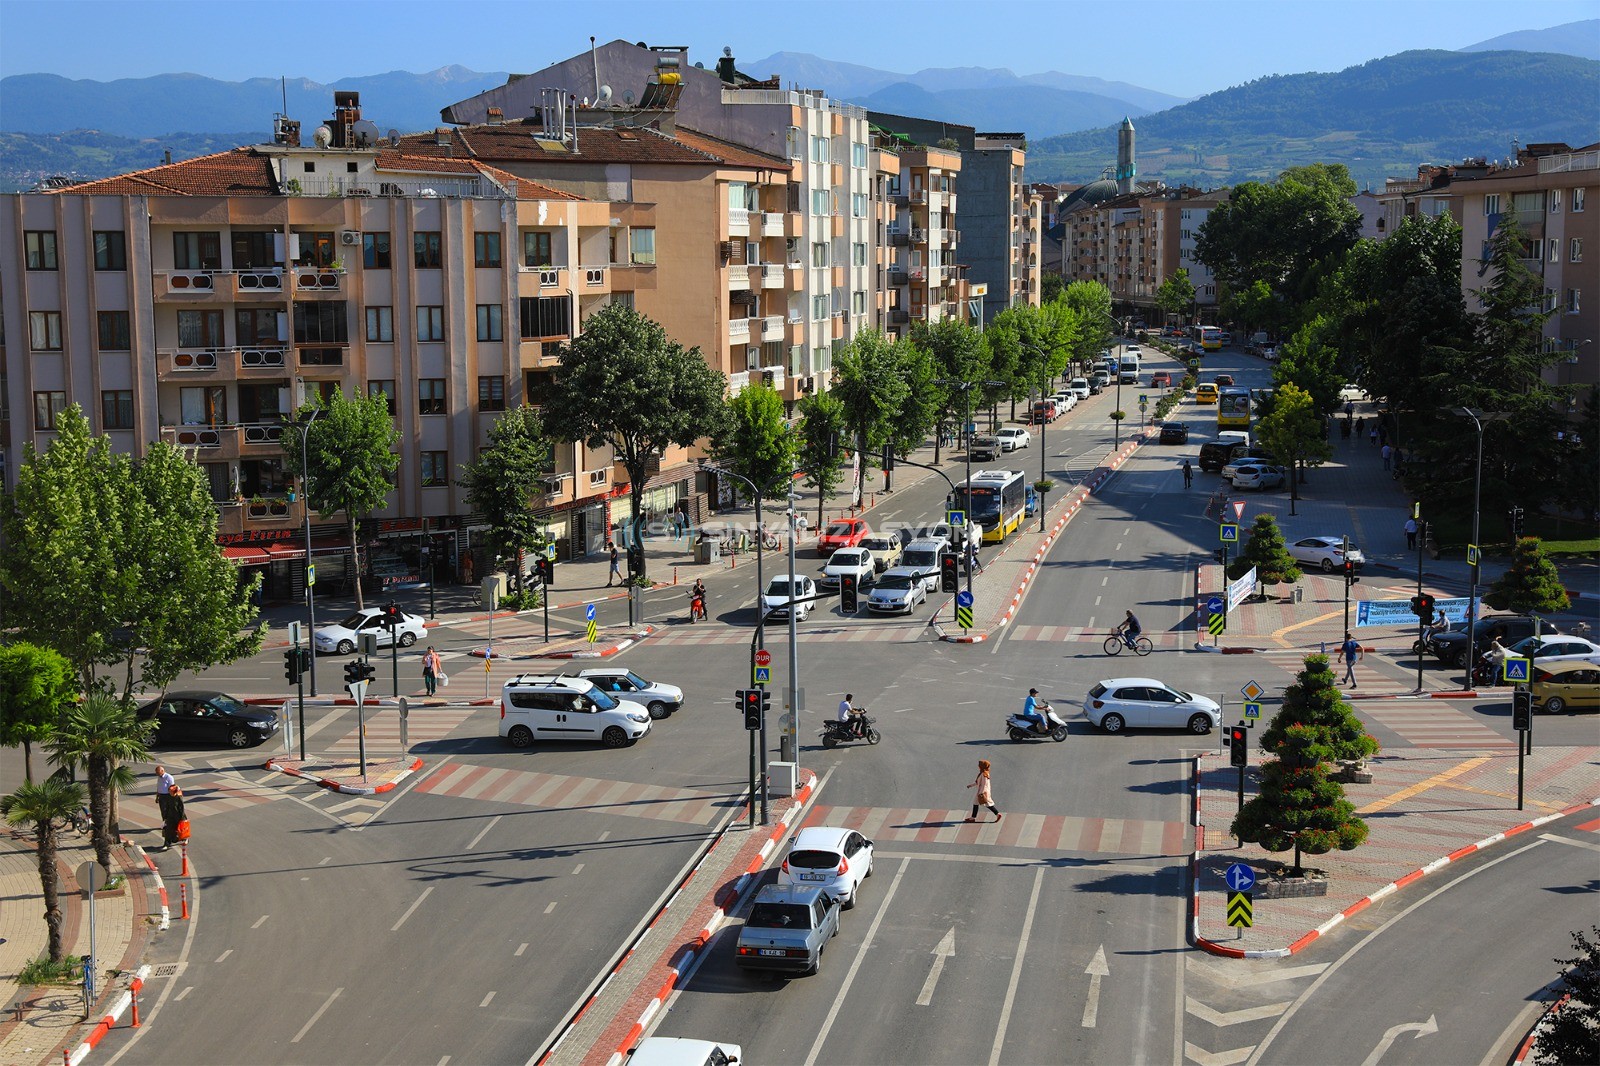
(830, 857)
(1013, 438)
(1120, 703)
(344, 637)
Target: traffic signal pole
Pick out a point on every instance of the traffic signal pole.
(300, 683)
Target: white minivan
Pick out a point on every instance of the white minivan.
(923, 556)
(549, 707)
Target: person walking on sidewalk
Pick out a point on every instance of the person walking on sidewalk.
(1351, 652)
(432, 667)
(1388, 456)
(616, 569)
(984, 797)
(1372, 434)
(164, 785)
(1411, 534)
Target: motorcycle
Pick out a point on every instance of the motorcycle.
(1021, 728)
(697, 606)
(1426, 643)
(835, 732)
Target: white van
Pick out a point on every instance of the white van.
(685, 1051)
(549, 707)
(923, 556)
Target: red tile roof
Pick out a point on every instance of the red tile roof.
(236, 172)
(521, 142)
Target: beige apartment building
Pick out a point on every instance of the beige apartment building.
(929, 285)
(1132, 243)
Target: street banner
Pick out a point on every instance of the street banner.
(1399, 613)
(1240, 590)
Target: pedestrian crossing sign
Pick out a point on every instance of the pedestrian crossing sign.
(763, 674)
(1472, 555)
(1241, 910)
(1515, 668)
(1252, 709)
(1230, 533)
(958, 518)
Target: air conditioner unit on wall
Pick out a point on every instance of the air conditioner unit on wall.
(349, 236)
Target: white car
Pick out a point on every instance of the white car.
(659, 699)
(342, 637)
(685, 1051)
(1065, 400)
(777, 600)
(1259, 476)
(544, 707)
(1558, 648)
(1079, 387)
(856, 561)
(1325, 552)
(1144, 703)
(898, 591)
(1014, 437)
(830, 857)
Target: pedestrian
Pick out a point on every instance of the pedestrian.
(1411, 534)
(1352, 652)
(432, 667)
(1388, 456)
(984, 797)
(616, 568)
(174, 816)
(973, 562)
(1372, 434)
(164, 783)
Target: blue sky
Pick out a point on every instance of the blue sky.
(1184, 47)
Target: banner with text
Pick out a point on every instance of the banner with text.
(1240, 590)
(1398, 612)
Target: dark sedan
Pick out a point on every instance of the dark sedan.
(1174, 433)
(208, 719)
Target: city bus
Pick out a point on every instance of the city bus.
(1210, 339)
(1233, 407)
(994, 500)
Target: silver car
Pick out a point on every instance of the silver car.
(1325, 552)
(898, 591)
(788, 928)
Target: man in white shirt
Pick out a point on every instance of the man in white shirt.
(847, 715)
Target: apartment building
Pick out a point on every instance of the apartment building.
(202, 302)
(1132, 243)
(928, 283)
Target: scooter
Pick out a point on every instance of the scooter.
(1020, 728)
(1425, 644)
(697, 607)
(835, 732)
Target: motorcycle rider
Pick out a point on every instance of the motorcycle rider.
(850, 716)
(1439, 625)
(1033, 709)
(698, 592)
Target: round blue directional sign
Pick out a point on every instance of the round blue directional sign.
(588, 612)
(1240, 877)
(963, 599)
(1214, 605)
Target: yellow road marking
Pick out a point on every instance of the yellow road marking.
(1504, 796)
(1279, 634)
(1422, 786)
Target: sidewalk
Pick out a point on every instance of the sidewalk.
(1423, 809)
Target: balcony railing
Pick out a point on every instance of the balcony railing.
(738, 277)
(772, 328)
(434, 187)
(772, 224)
(594, 277)
(200, 361)
(739, 329)
(773, 275)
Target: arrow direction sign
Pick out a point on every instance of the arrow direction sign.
(1240, 877)
(963, 598)
(1214, 605)
(1096, 969)
(1422, 1029)
(945, 949)
(588, 612)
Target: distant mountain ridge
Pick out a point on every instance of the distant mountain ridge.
(1581, 39)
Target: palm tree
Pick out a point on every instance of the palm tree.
(99, 734)
(47, 804)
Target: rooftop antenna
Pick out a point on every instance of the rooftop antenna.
(283, 87)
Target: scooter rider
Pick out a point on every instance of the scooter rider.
(850, 715)
(1033, 709)
(698, 592)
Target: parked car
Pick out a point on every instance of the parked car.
(1270, 353)
(1174, 433)
(843, 533)
(1095, 386)
(1259, 476)
(658, 698)
(1013, 438)
(778, 599)
(834, 858)
(787, 930)
(1065, 401)
(1566, 686)
(1326, 553)
(208, 718)
(1144, 703)
(1102, 377)
(1557, 648)
(342, 638)
(556, 708)
(685, 1051)
(985, 447)
(1079, 387)
(1451, 646)
(898, 591)
(885, 551)
(1205, 392)
(854, 561)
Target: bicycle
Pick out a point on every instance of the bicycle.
(80, 821)
(1139, 645)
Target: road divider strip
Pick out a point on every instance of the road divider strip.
(161, 889)
(112, 1015)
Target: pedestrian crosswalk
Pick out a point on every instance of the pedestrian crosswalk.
(884, 632)
(1434, 724)
(1049, 832)
(532, 789)
(1093, 637)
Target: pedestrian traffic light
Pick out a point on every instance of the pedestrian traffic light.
(1422, 606)
(291, 665)
(847, 593)
(352, 672)
(949, 573)
(1516, 523)
(1350, 575)
(751, 702)
(1521, 708)
(1238, 745)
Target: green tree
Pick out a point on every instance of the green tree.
(1175, 297)
(1581, 459)
(1255, 305)
(868, 381)
(46, 805)
(1531, 585)
(1298, 806)
(506, 480)
(349, 461)
(1293, 433)
(624, 382)
(1091, 307)
(1266, 552)
(1050, 286)
(36, 685)
(918, 413)
(958, 354)
(1311, 360)
(754, 439)
(822, 425)
(101, 735)
(1573, 1033)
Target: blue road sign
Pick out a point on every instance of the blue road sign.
(1230, 533)
(763, 674)
(1252, 709)
(963, 599)
(1240, 878)
(958, 518)
(1516, 668)
(588, 612)
(1214, 605)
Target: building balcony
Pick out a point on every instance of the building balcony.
(739, 330)
(221, 364)
(773, 377)
(321, 359)
(773, 223)
(546, 277)
(774, 276)
(594, 277)
(899, 277)
(919, 235)
(772, 328)
(949, 236)
(794, 224)
(899, 238)
(737, 383)
(738, 222)
(899, 317)
(738, 278)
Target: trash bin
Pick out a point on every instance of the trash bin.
(1299, 593)
(709, 550)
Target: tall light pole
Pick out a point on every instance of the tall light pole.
(1478, 419)
(304, 426)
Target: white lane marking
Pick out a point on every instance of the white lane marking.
(1016, 970)
(1103, 581)
(443, 1061)
(855, 964)
(605, 834)
(1119, 546)
(259, 922)
(577, 870)
(550, 908)
(1097, 601)
(520, 949)
(425, 894)
(943, 950)
(482, 832)
(1222, 1018)
(306, 1028)
(1567, 840)
(1422, 1029)
(186, 990)
(1096, 969)
(486, 1000)
(224, 955)
(326, 861)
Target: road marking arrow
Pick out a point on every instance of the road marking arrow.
(1218, 1058)
(945, 949)
(1422, 1029)
(1233, 1017)
(1096, 969)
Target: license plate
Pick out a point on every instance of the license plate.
(774, 952)
(813, 877)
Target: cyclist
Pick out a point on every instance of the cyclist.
(1188, 474)
(1129, 630)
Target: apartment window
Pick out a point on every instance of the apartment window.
(430, 323)
(486, 249)
(110, 250)
(490, 325)
(642, 245)
(492, 394)
(1576, 254)
(380, 324)
(858, 253)
(114, 331)
(858, 205)
(858, 302)
(431, 396)
(1491, 203)
(375, 251)
(317, 249)
(598, 477)
(425, 250)
(1573, 300)
(1555, 201)
(116, 409)
(536, 249)
(44, 331)
(41, 246)
(545, 316)
(819, 308)
(819, 254)
(1552, 250)
(858, 156)
(382, 387)
(197, 251)
(821, 202)
(435, 468)
(1577, 201)
(47, 407)
(317, 322)
(819, 149)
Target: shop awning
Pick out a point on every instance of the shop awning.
(247, 556)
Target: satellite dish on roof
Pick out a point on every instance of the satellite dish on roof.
(605, 96)
(394, 138)
(323, 136)
(366, 132)
(627, 97)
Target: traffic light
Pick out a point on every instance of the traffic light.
(1423, 606)
(391, 615)
(888, 458)
(1521, 708)
(847, 593)
(949, 573)
(752, 701)
(1219, 554)
(352, 672)
(1516, 523)
(291, 665)
(1238, 745)
(1350, 575)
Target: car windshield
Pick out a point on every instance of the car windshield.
(354, 621)
(895, 581)
(813, 859)
(839, 529)
(921, 558)
(847, 558)
(879, 544)
(227, 704)
(602, 700)
(779, 587)
(779, 916)
(638, 681)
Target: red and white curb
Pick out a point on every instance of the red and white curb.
(1532, 1039)
(1355, 908)
(348, 790)
(113, 1013)
(161, 889)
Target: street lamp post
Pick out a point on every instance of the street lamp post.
(1478, 419)
(965, 388)
(304, 425)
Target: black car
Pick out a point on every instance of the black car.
(207, 719)
(1451, 647)
(1174, 433)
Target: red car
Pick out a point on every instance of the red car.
(843, 533)
(1224, 379)
(1160, 380)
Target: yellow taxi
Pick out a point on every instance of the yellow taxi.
(1562, 686)
(1205, 393)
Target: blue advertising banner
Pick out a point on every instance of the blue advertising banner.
(1398, 612)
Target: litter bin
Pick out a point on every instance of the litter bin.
(1299, 593)
(708, 550)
